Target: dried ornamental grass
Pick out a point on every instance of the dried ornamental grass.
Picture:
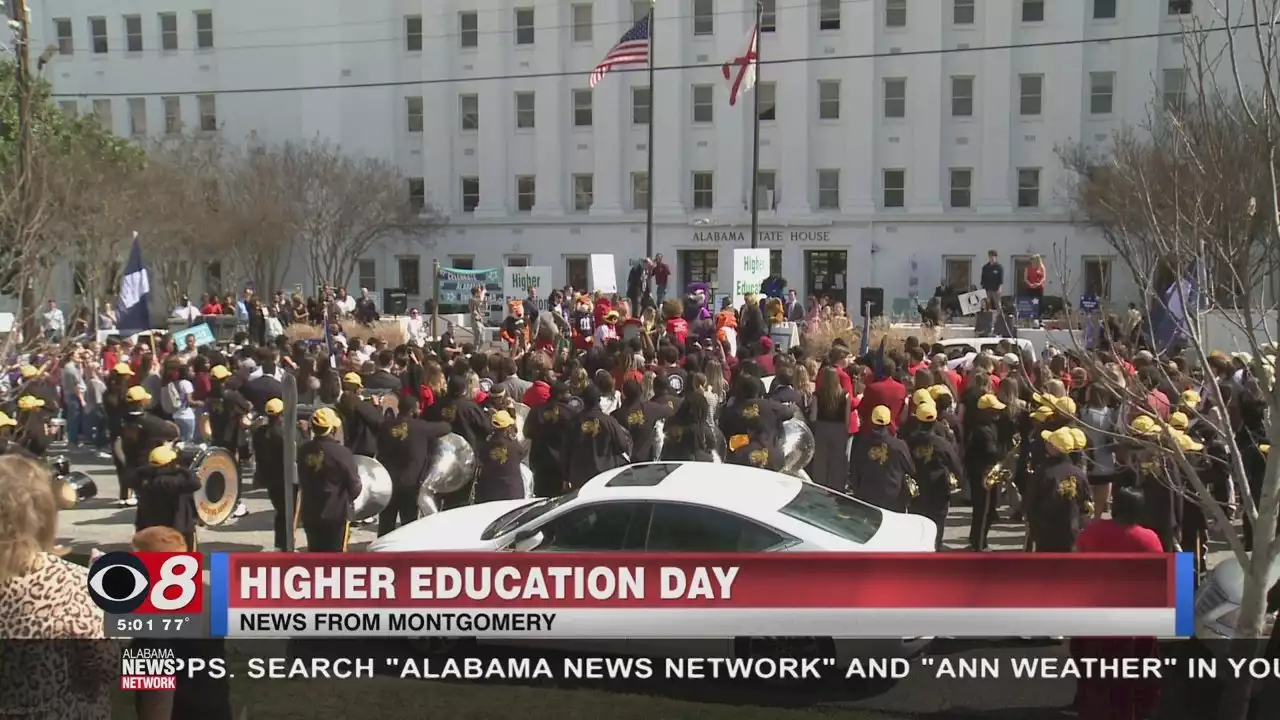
(819, 334)
(388, 331)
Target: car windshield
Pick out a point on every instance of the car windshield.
(524, 514)
(837, 514)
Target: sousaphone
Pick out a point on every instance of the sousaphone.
(797, 446)
(375, 488)
(453, 465)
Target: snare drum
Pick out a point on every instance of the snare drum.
(56, 430)
(219, 478)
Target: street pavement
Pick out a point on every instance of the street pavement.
(100, 524)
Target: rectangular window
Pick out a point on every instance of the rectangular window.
(69, 108)
(768, 16)
(641, 105)
(1097, 277)
(575, 272)
(583, 192)
(1104, 9)
(895, 13)
(413, 113)
(208, 112)
(704, 22)
(133, 33)
(961, 96)
(1102, 86)
(961, 187)
(640, 9)
(582, 108)
(768, 101)
(1030, 95)
(699, 266)
(957, 272)
(1179, 7)
(581, 23)
(829, 15)
(704, 190)
(102, 110)
(168, 31)
(1174, 88)
(828, 99)
(413, 33)
(468, 29)
(98, 31)
(895, 188)
(469, 110)
(66, 42)
(526, 192)
(828, 189)
(704, 103)
(470, 194)
(172, 114)
(524, 26)
(410, 275)
(464, 262)
(204, 29)
(962, 12)
(767, 189)
(515, 260)
(138, 117)
(895, 97)
(525, 110)
(639, 191)
(367, 273)
(417, 193)
(1032, 11)
(1028, 187)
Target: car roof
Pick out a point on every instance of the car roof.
(753, 492)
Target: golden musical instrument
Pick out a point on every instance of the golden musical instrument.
(913, 487)
(1001, 472)
(953, 483)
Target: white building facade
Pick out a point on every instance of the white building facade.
(900, 140)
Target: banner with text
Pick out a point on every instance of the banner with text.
(750, 268)
(516, 282)
(602, 274)
(456, 285)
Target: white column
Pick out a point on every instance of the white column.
(670, 182)
(733, 125)
(497, 25)
(550, 108)
(606, 113)
(439, 107)
(797, 98)
(858, 92)
(925, 106)
(996, 110)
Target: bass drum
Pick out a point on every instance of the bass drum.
(219, 478)
(375, 488)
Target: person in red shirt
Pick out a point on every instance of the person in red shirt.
(765, 358)
(211, 306)
(883, 391)
(677, 326)
(1106, 699)
(1033, 278)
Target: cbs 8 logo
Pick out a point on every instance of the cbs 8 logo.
(122, 583)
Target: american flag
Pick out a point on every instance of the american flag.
(632, 49)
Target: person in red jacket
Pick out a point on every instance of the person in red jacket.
(883, 391)
(677, 326)
(765, 358)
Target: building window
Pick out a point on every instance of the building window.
(699, 266)
(62, 29)
(768, 101)
(641, 105)
(767, 189)
(469, 108)
(138, 117)
(704, 103)
(957, 272)
(583, 192)
(582, 108)
(525, 110)
(1030, 94)
(526, 192)
(98, 31)
(704, 17)
(1179, 7)
(768, 16)
(962, 12)
(1032, 11)
(168, 31)
(417, 194)
(704, 190)
(69, 108)
(1028, 187)
(413, 33)
(1102, 86)
(1104, 9)
(581, 23)
(640, 9)
(468, 29)
(575, 272)
(895, 13)
(102, 110)
(410, 275)
(524, 26)
(208, 112)
(172, 114)
(961, 96)
(829, 15)
(204, 30)
(961, 187)
(515, 260)
(367, 273)
(1097, 277)
(470, 193)
(413, 113)
(132, 33)
(895, 188)
(828, 99)
(639, 191)
(828, 189)
(464, 262)
(895, 97)
(1174, 89)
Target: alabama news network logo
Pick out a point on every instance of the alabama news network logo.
(125, 583)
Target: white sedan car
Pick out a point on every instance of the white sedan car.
(679, 507)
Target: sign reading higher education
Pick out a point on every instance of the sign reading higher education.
(750, 268)
(735, 237)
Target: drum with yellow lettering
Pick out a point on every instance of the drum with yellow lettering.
(219, 478)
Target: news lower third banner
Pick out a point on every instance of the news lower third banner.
(651, 596)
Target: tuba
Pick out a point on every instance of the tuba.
(375, 489)
(521, 414)
(913, 487)
(797, 446)
(1002, 471)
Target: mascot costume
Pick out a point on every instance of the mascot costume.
(582, 322)
(697, 311)
(607, 331)
(673, 311)
(774, 311)
(515, 328)
(774, 286)
(727, 330)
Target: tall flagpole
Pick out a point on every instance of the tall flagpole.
(648, 179)
(755, 137)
